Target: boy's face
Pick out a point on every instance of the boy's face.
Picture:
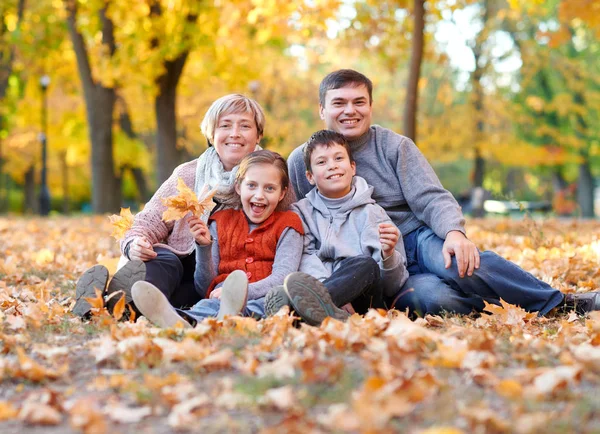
(347, 110)
(331, 170)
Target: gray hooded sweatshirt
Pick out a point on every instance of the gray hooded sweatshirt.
(350, 229)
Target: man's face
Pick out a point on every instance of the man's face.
(347, 110)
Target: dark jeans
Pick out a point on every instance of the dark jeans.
(431, 288)
(356, 281)
(174, 276)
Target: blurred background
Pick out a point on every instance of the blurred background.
(101, 99)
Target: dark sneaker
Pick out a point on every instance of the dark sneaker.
(234, 294)
(154, 305)
(93, 278)
(310, 299)
(275, 299)
(123, 280)
(583, 302)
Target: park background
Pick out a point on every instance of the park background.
(502, 95)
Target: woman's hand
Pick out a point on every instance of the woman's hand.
(388, 237)
(215, 293)
(200, 231)
(141, 249)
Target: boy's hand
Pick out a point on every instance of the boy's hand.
(215, 293)
(348, 308)
(388, 237)
(141, 249)
(200, 231)
(467, 255)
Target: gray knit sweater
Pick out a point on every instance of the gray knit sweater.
(404, 183)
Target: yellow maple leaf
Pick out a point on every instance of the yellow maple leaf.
(186, 201)
(121, 223)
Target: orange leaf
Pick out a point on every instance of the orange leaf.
(186, 201)
(119, 308)
(121, 223)
(7, 411)
(97, 301)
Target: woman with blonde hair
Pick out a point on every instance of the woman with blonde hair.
(162, 253)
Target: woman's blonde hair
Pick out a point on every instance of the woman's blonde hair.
(233, 103)
(273, 159)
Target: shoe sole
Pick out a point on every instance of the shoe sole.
(275, 300)
(93, 278)
(310, 299)
(123, 280)
(234, 294)
(154, 305)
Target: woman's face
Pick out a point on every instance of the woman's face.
(235, 136)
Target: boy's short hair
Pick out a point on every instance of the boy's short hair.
(233, 103)
(325, 138)
(344, 78)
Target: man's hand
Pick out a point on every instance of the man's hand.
(141, 249)
(467, 255)
(388, 237)
(200, 231)
(215, 293)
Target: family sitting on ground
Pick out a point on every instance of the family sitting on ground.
(372, 227)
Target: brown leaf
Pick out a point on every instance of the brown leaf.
(35, 413)
(121, 223)
(186, 201)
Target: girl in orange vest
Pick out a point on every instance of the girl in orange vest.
(242, 252)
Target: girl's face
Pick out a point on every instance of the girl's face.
(235, 136)
(260, 192)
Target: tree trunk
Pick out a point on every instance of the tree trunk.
(6, 66)
(65, 183)
(29, 199)
(478, 96)
(100, 102)
(168, 155)
(412, 91)
(585, 189)
(127, 127)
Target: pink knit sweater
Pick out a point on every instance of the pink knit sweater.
(175, 236)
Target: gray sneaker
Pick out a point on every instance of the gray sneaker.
(93, 278)
(310, 299)
(583, 302)
(275, 299)
(123, 280)
(154, 305)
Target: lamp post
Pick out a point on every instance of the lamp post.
(44, 192)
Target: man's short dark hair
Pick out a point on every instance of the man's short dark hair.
(344, 78)
(325, 138)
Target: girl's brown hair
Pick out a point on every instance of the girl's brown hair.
(274, 159)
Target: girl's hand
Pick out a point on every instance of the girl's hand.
(388, 237)
(216, 293)
(200, 231)
(141, 249)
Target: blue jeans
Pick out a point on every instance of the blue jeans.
(209, 307)
(431, 288)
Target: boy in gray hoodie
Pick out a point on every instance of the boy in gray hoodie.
(353, 253)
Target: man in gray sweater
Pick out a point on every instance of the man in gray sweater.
(447, 272)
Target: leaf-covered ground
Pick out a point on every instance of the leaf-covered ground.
(507, 371)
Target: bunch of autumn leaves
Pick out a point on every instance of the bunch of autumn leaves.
(177, 207)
